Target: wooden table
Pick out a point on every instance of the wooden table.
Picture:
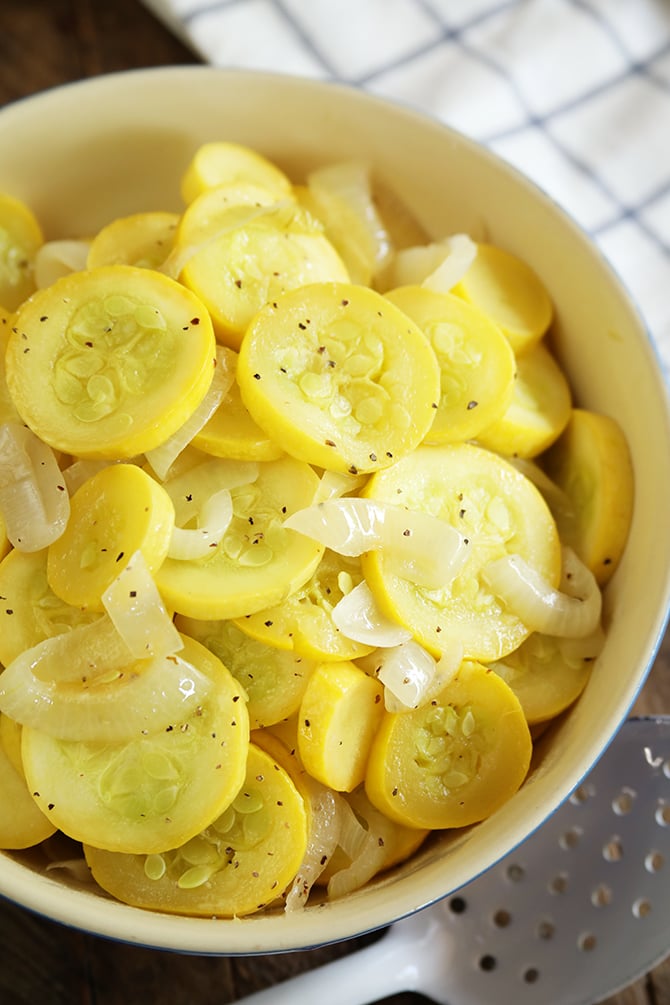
(44, 43)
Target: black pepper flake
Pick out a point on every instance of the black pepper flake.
(389, 454)
(283, 369)
(345, 303)
(607, 561)
(119, 556)
(267, 623)
(373, 457)
(132, 593)
(301, 326)
(307, 723)
(395, 791)
(283, 509)
(329, 443)
(236, 697)
(323, 860)
(435, 405)
(9, 611)
(51, 806)
(238, 283)
(257, 376)
(407, 532)
(195, 321)
(461, 513)
(472, 404)
(61, 488)
(45, 317)
(353, 470)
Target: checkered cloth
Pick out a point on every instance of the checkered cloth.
(575, 93)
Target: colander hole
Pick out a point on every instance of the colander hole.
(457, 905)
(531, 976)
(601, 896)
(654, 861)
(587, 942)
(559, 883)
(570, 839)
(545, 930)
(581, 794)
(488, 963)
(662, 815)
(515, 873)
(502, 918)
(623, 803)
(641, 908)
(613, 850)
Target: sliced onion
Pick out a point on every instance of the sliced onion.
(412, 676)
(162, 457)
(365, 846)
(144, 697)
(334, 484)
(572, 611)
(77, 656)
(190, 490)
(419, 547)
(34, 501)
(55, 259)
(138, 613)
(358, 617)
(81, 470)
(322, 840)
(461, 252)
(437, 266)
(558, 501)
(213, 521)
(346, 186)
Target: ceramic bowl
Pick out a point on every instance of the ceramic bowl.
(85, 153)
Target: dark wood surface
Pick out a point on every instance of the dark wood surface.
(44, 43)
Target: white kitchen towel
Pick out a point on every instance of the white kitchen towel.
(575, 93)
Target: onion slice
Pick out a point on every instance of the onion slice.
(213, 522)
(572, 611)
(162, 457)
(145, 696)
(411, 676)
(322, 840)
(138, 613)
(190, 490)
(55, 259)
(365, 846)
(419, 547)
(461, 252)
(358, 617)
(34, 501)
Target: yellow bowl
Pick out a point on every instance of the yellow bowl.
(83, 154)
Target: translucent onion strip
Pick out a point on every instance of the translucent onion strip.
(358, 617)
(138, 613)
(461, 251)
(144, 697)
(34, 501)
(334, 484)
(572, 611)
(190, 490)
(347, 185)
(411, 676)
(438, 266)
(322, 840)
(213, 521)
(365, 846)
(162, 457)
(420, 547)
(55, 259)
